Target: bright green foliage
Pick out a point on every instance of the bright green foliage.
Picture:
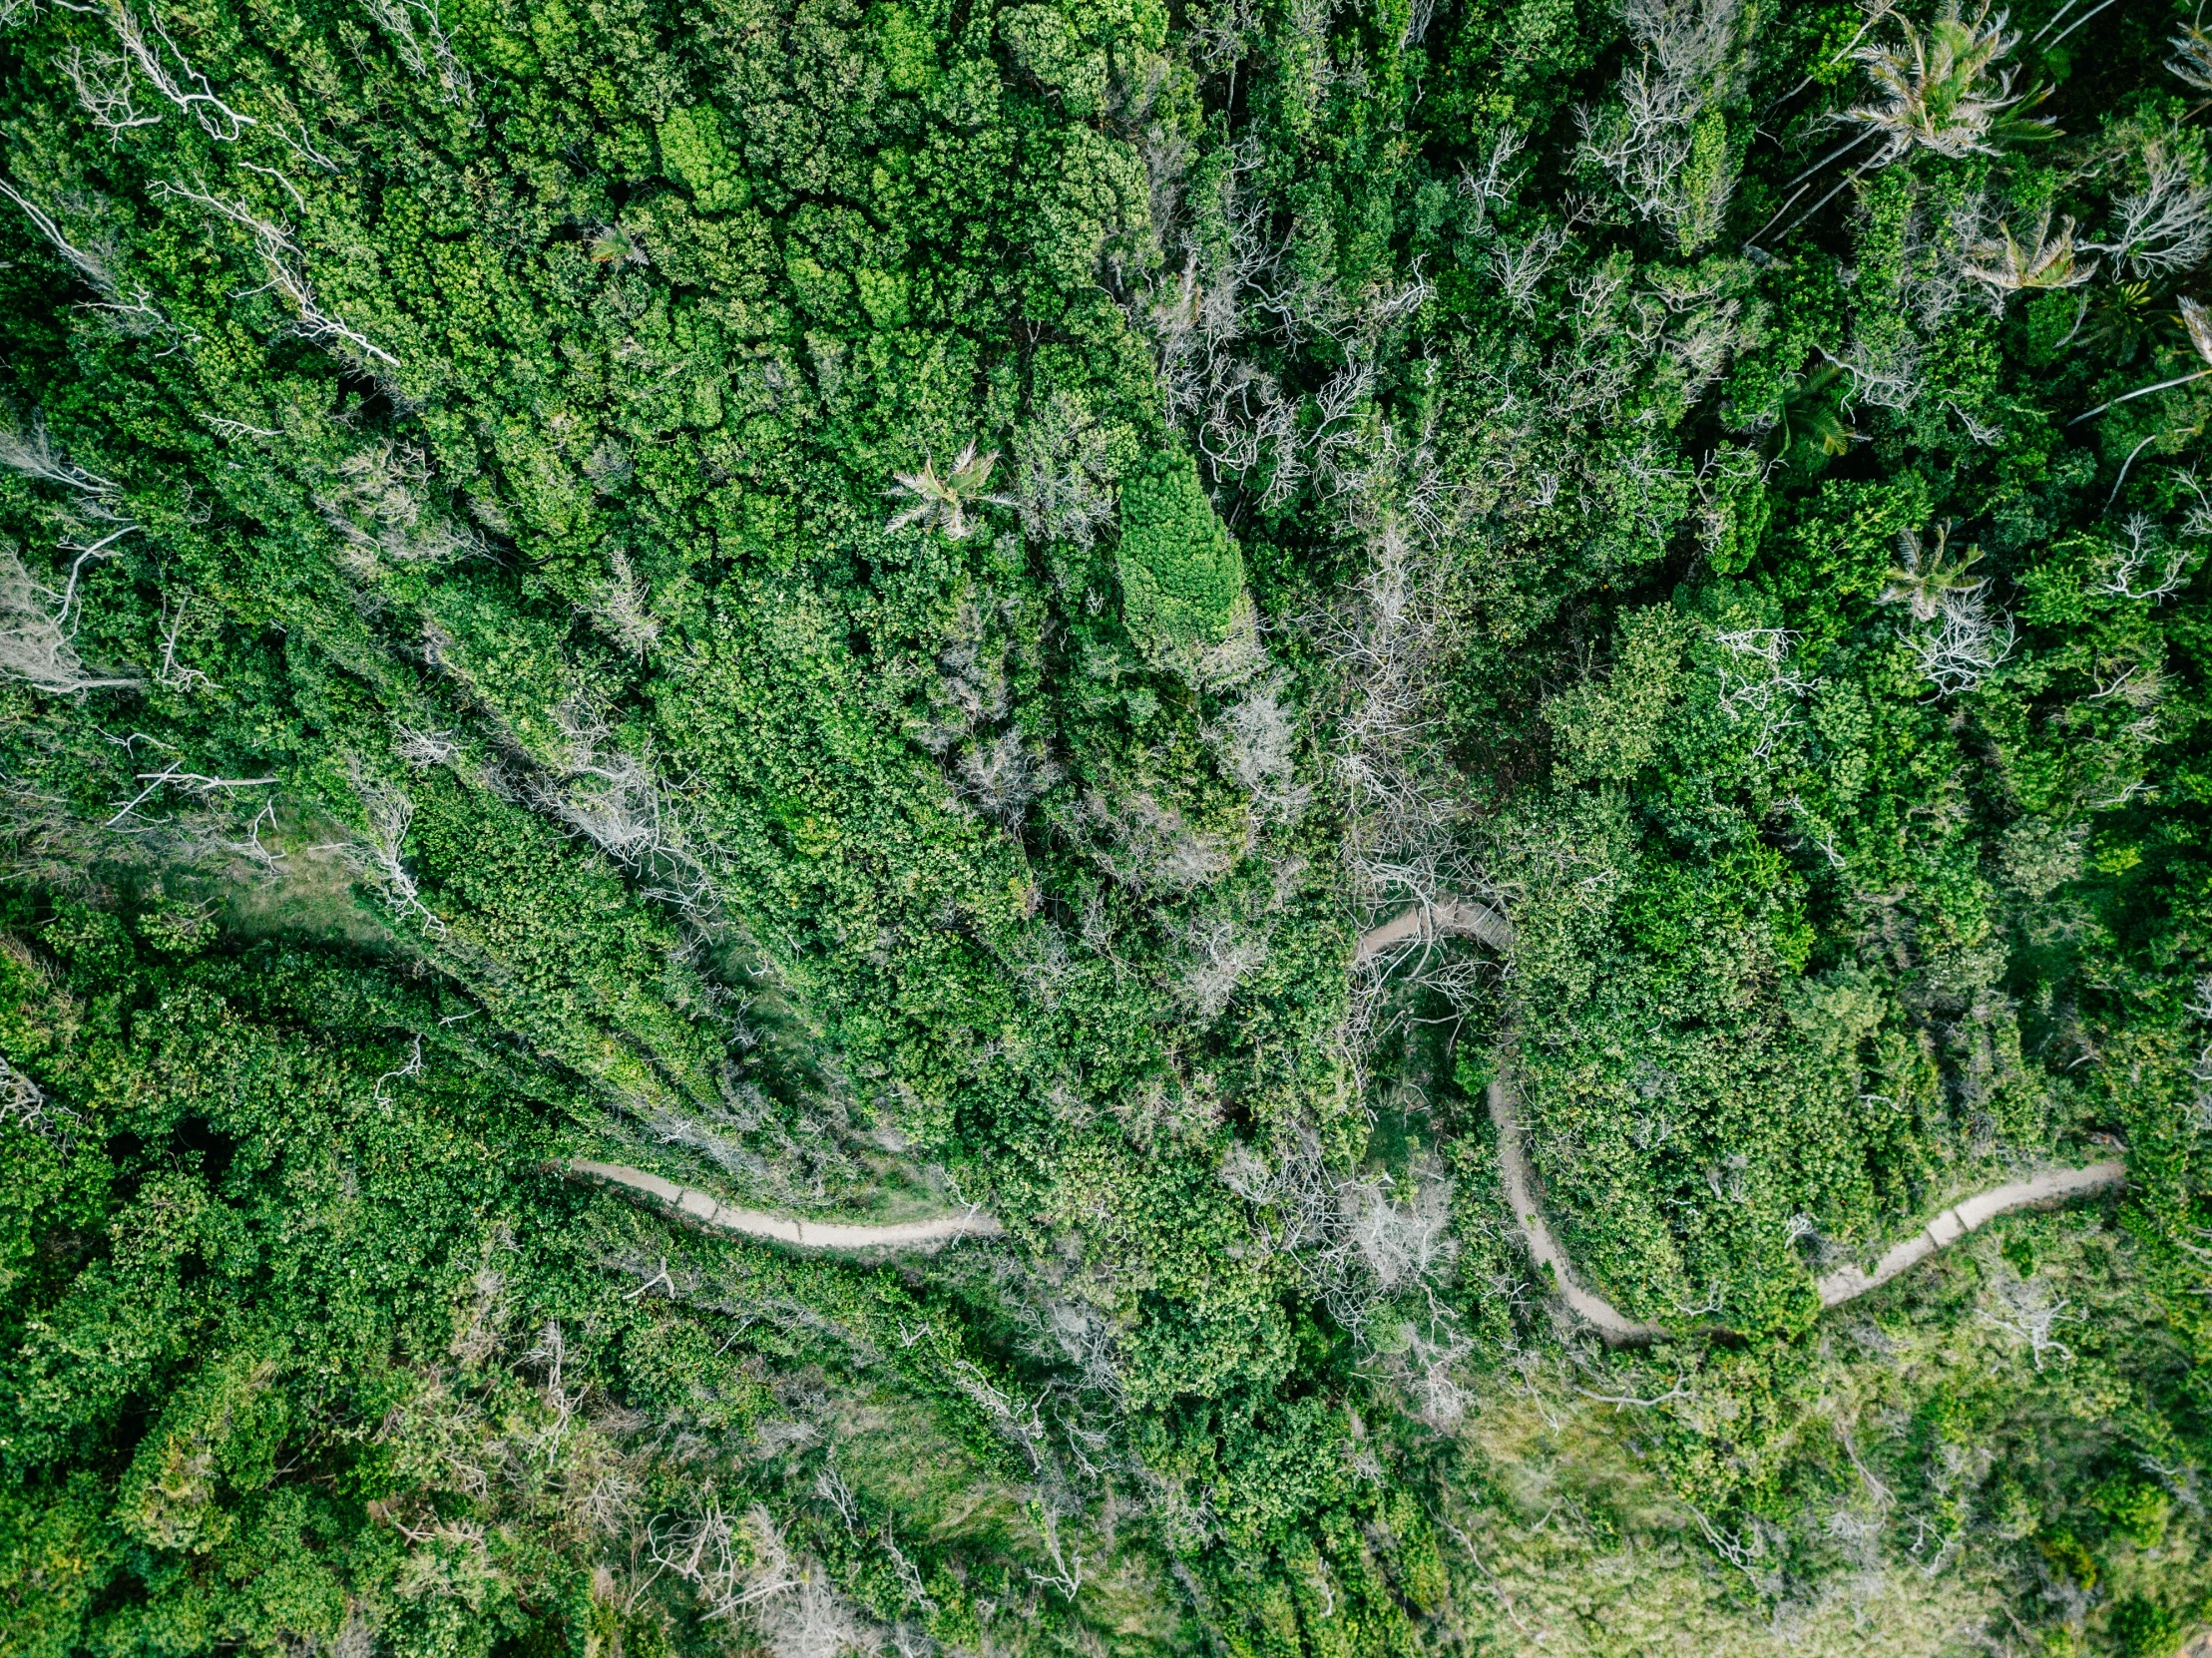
(1182, 583)
(698, 156)
(856, 603)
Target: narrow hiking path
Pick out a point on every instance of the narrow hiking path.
(1448, 916)
(2052, 1185)
(1847, 1284)
(807, 1234)
(1512, 1169)
(1453, 916)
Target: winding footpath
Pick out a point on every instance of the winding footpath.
(1424, 924)
(807, 1234)
(1468, 917)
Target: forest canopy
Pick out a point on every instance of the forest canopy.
(1463, 701)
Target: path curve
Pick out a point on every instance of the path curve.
(1447, 917)
(805, 1234)
(1512, 1167)
(1450, 916)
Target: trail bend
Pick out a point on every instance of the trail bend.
(1453, 916)
(803, 1234)
(1446, 917)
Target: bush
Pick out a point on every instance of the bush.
(1183, 581)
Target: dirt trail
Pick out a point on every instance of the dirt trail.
(1512, 1166)
(1453, 916)
(1448, 916)
(2050, 1186)
(807, 1234)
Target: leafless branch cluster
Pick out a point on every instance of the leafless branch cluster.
(616, 801)
(173, 775)
(1257, 740)
(420, 750)
(1065, 1578)
(1680, 323)
(1387, 760)
(1002, 776)
(1228, 297)
(1220, 34)
(1146, 845)
(387, 814)
(2165, 227)
(93, 507)
(1084, 1338)
(999, 773)
(1066, 473)
(1968, 641)
(973, 665)
(1936, 265)
(106, 82)
(1021, 1421)
(1220, 953)
(379, 512)
(733, 1564)
(790, 1157)
(1521, 266)
(509, 1449)
(2022, 1311)
(1357, 1241)
(285, 270)
(1493, 183)
(425, 50)
(35, 645)
(1404, 842)
(1885, 366)
(173, 675)
(1756, 681)
(356, 1638)
(135, 314)
(24, 1103)
(2141, 566)
(1681, 70)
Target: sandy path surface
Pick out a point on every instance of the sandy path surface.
(2050, 1186)
(1543, 1249)
(807, 1234)
(2055, 1186)
(1449, 917)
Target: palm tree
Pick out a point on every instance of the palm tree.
(1810, 428)
(1938, 96)
(1925, 579)
(2196, 321)
(945, 503)
(2047, 262)
(2192, 58)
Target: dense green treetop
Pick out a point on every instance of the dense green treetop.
(858, 605)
